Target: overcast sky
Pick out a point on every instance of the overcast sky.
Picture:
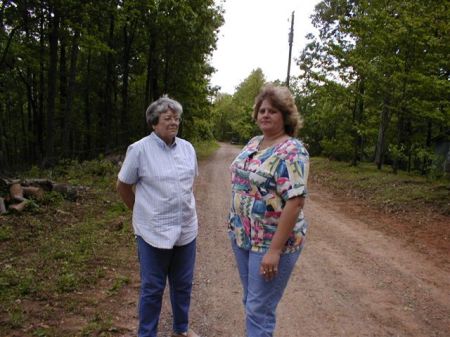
(255, 35)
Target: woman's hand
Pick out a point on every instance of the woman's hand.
(269, 265)
(289, 215)
(126, 193)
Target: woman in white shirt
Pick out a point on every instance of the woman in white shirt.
(162, 167)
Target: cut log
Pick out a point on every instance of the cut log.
(45, 184)
(20, 206)
(69, 192)
(33, 192)
(16, 192)
(2, 206)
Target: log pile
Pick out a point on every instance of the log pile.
(16, 195)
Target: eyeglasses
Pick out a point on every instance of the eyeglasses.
(169, 119)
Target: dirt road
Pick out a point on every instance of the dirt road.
(352, 279)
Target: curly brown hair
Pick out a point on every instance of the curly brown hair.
(282, 99)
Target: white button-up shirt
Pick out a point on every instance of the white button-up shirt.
(164, 209)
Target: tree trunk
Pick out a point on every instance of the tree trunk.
(427, 161)
(166, 65)
(87, 107)
(357, 118)
(108, 111)
(8, 43)
(52, 72)
(62, 95)
(128, 41)
(382, 129)
(23, 158)
(39, 118)
(152, 77)
(68, 130)
(3, 161)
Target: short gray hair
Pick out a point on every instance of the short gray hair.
(160, 106)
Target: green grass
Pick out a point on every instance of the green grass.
(382, 188)
(99, 325)
(205, 148)
(61, 249)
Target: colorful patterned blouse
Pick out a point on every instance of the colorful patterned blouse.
(261, 183)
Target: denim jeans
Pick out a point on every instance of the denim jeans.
(261, 297)
(156, 265)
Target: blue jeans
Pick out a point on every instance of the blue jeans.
(156, 265)
(261, 297)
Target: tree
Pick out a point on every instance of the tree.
(240, 109)
(77, 76)
(390, 57)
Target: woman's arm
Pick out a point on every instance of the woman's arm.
(126, 193)
(288, 218)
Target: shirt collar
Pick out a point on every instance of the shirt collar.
(162, 143)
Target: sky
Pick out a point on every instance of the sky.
(255, 35)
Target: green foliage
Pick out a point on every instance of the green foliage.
(40, 332)
(52, 198)
(76, 83)
(116, 209)
(5, 233)
(232, 115)
(202, 130)
(338, 149)
(222, 111)
(16, 318)
(205, 148)
(119, 282)
(382, 67)
(397, 152)
(436, 170)
(99, 324)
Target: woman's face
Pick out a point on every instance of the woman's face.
(270, 119)
(167, 127)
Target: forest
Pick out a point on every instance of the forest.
(76, 77)
(374, 86)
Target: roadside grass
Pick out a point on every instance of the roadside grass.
(390, 192)
(205, 148)
(53, 254)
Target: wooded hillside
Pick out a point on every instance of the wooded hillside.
(77, 76)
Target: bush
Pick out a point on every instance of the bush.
(336, 149)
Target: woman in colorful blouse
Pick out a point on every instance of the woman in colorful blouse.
(266, 223)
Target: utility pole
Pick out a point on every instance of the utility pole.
(291, 40)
